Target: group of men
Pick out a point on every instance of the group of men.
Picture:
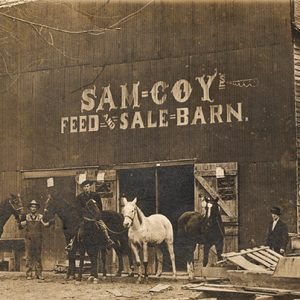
(277, 237)
(33, 225)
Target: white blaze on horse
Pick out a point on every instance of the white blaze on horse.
(144, 231)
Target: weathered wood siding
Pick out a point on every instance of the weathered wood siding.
(44, 72)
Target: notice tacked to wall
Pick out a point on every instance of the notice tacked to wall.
(82, 178)
(50, 182)
(220, 172)
(100, 176)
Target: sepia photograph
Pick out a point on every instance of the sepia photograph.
(149, 149)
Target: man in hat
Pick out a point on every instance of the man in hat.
(80, 205)
(277, 238)
(33, 225)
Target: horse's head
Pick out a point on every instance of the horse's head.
(16, 206)
(49, 209)
(211, 211)
(129, 212)
(92, 207)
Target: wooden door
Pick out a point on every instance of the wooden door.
(219, 180)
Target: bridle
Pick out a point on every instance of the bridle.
(13, 205)
(131, 217)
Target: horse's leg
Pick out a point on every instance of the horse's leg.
(103, 258)
(137, 260)
(172, 256)
(159, 257)
(145, 260)
(93, 255)
(190, 262)
(120, 260)
(81, 261)
(72, 266)
(130, 259)
(207, 247)
(219, 247)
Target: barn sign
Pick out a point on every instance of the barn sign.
(100, 109)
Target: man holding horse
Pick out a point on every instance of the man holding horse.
(82, 209)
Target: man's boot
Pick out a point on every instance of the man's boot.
(109, 242)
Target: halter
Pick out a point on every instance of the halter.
(129, 217)
(10, 201)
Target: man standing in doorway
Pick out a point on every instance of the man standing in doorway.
(80, 205)
(277, 238)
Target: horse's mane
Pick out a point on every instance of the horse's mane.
(140, 215)
(67, 211)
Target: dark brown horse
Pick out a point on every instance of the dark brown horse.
(195, 228)
(92, 241)
(11, 206)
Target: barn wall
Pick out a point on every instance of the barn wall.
(45, 73)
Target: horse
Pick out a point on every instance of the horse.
(195, 228)
(148, 231)
(11, 206)
(92, 237)
(55, 204)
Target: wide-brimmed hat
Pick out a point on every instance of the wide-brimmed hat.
(33, 202)
(85, 182)
(275, 210)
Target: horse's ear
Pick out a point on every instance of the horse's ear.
(124, 200)
(134, 200)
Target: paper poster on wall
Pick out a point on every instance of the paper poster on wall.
(100, 176)
(50, 182)
(220, 172)
(82, 178)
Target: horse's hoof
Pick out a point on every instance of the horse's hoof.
(71, 277)
(139, 280)
(118, 274)
(96, 281)
(91, 279)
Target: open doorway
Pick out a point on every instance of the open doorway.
(176, 196)
(166, 190)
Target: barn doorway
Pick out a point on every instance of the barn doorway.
(167, 190)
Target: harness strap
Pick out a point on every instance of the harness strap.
(115, 232)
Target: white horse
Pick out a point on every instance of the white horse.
(152, 230)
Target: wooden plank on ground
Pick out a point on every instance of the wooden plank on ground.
(265, 258)
(231, 254)
(245, 264)
(269, 255)
(273, 253)
(288, 267)
(259, 260)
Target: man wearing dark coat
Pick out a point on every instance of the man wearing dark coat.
(277, 238)
(80, 205)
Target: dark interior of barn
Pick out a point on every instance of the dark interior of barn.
(170, 188)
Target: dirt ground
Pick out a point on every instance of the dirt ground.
(13, 285)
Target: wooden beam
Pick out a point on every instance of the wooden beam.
(214, 194)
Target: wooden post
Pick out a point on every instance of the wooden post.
(156, 191)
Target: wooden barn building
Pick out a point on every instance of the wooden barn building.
(163, 100)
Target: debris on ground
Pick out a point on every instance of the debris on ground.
(115, 293)
(160, 288)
